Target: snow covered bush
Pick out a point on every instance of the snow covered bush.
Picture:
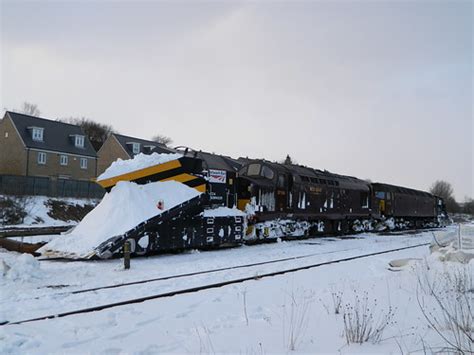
(446, 300)
(12, 210)
(361, 322)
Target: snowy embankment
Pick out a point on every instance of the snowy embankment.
(139, 161)
(42, 211)
(302, 311)
(123, 208)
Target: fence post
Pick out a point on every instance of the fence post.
(126, 255)
(459, 237)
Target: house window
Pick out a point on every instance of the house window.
(83, 163)
(63, 160)
(41, 158)
(37, 134)
(79, 142)
(148, 148)
(136, 148)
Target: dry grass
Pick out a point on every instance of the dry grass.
(451, 314)
(361, 322)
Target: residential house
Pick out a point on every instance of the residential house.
(125, 147)
(33, 146)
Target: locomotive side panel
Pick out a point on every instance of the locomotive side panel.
(400, 202)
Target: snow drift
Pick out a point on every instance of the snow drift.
(20, 269)
(125, 206)
(140, 161)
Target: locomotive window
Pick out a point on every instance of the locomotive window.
(322, 181)
(337, 183)
(253, 170)
(304, 178)
(281, 181)
(267, 172)
(364, 199)
(380, 195)
(388, 195)
(330, 182)
(313, 180)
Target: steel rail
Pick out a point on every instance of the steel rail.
(206, 287)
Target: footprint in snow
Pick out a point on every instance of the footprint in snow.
(148, 321)
(76, 343)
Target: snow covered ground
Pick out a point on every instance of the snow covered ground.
(37, 211)
(291, 312)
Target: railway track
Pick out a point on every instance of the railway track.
(170, 277)
(177, 276)
(203, 287)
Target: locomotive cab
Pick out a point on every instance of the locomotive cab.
(256, 186)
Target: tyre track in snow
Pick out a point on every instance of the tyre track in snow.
(210, 286)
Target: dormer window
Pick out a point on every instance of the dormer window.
(37, 133)
(148, 148)
(136, 148)
(79, 141)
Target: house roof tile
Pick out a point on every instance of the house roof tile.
(57, 136)
(158, 148)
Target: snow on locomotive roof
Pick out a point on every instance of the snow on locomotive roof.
(122, 209)
(139, 161)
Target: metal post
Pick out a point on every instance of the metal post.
(126, 255)
(459, 237)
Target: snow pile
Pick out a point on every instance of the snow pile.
(140, 161)
(451, 253)
(223, 212)
(126, 206)
(23, 268)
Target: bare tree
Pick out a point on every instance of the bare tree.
(162, 139)
(30, 109)
(445, 190)
(95, 131)
(442, 189)
(468, 206)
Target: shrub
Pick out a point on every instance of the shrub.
(295, 316)
(452, 316)
(361, 323)
(12, 211)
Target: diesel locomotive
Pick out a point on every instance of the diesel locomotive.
(288, 200)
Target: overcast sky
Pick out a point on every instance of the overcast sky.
(376, 89)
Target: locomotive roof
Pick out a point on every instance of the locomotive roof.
(399, 189)
(216, 161)
(315, 175)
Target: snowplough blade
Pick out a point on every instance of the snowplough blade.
(181, 227)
